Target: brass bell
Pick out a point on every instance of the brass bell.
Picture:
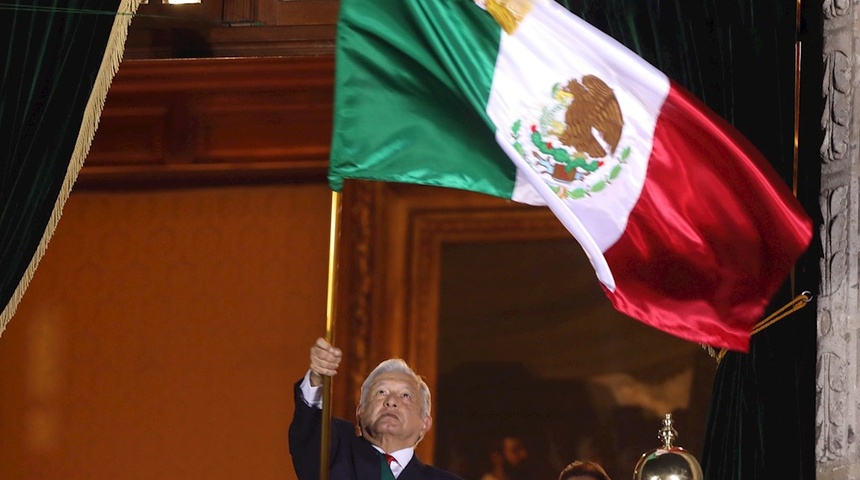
(669, 462)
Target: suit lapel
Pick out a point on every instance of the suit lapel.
(366, 460)
(412, 470)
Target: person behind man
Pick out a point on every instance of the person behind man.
(506, 455)
(583, 470)
(393, 416)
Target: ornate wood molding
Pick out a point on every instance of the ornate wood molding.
(221, 120)
(233, 28)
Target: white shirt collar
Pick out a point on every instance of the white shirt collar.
(403, 457)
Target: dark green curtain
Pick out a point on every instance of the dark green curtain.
(739, 58)
(53, 51)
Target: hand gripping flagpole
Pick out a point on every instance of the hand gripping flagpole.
(330, 315)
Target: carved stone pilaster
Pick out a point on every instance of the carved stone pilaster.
(833, 425)
(835, 8)
(837, 104)
(838, 399)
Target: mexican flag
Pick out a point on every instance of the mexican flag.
(687, 226)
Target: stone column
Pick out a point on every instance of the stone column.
(838, 399)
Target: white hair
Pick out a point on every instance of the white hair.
(398, 365)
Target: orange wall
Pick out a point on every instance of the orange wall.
(162, 334)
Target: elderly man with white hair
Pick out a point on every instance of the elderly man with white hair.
(393, 416)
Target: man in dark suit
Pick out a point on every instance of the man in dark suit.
(393, 416)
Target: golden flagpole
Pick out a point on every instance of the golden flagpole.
(796, 146)
(330, 315)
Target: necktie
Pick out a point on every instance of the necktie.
(386, 460)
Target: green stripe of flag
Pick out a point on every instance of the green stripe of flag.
(412, 82)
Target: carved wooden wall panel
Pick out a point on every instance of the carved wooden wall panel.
(214, 120)
(233, 28)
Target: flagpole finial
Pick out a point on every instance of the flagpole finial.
(668, 462)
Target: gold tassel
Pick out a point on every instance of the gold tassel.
(794, 305)
(109, 66)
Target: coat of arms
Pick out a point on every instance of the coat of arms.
(574, 144)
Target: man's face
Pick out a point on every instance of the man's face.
(515, 451)
(514, 456)
(391, 414)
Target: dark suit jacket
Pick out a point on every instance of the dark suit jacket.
(352, 457)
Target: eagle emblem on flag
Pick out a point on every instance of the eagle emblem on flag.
(573, 143)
